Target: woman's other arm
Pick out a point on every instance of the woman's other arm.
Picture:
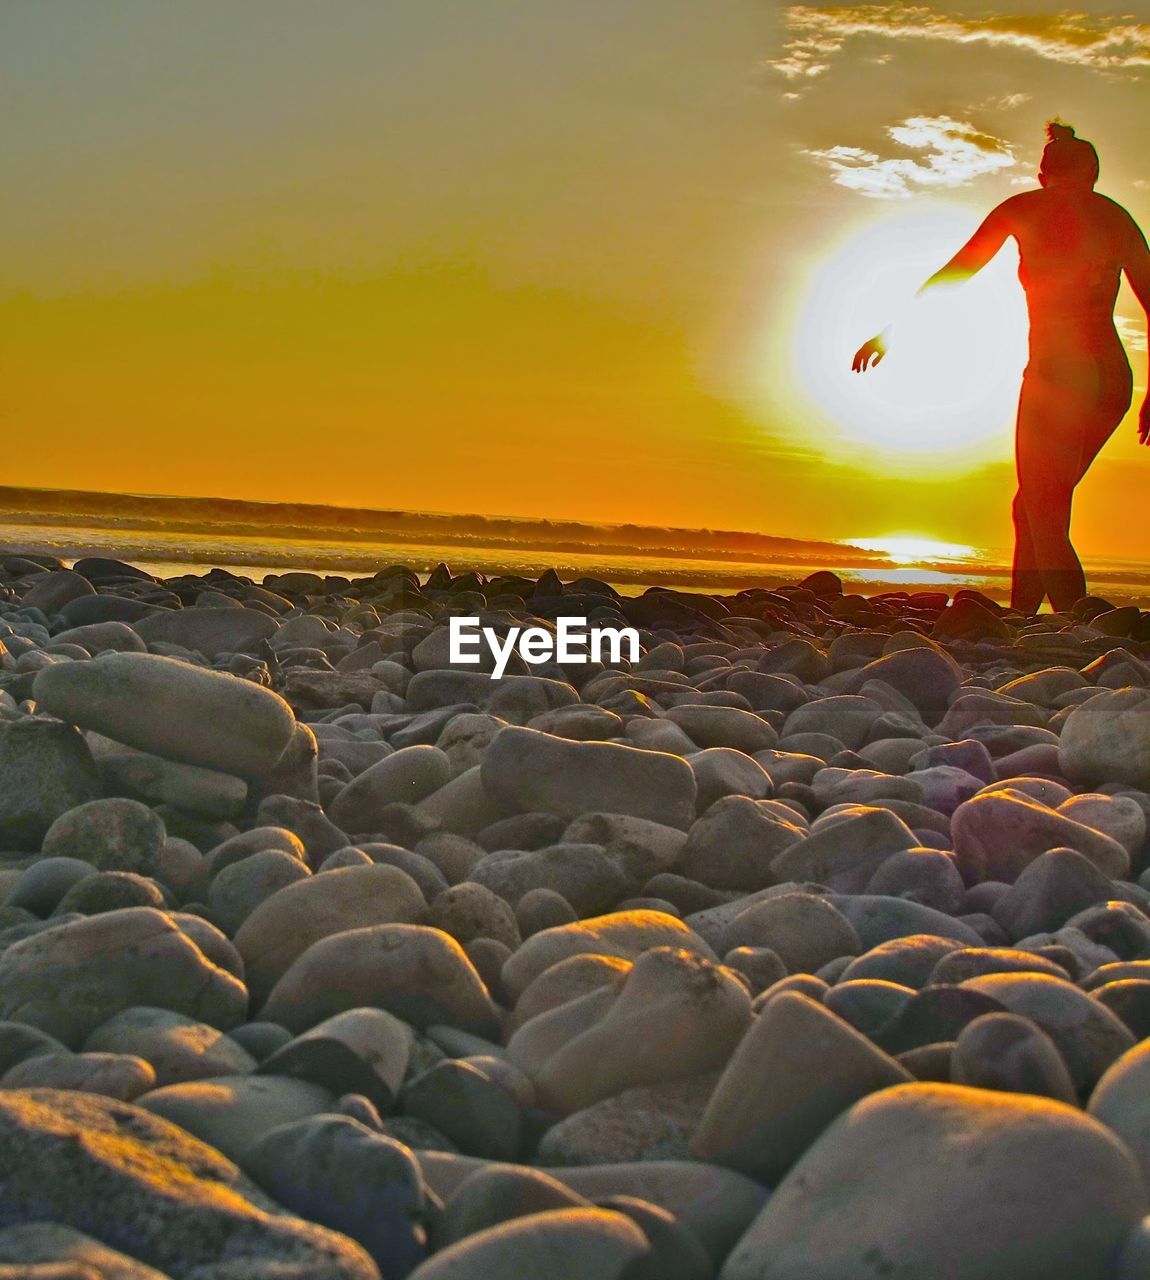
(968, 261)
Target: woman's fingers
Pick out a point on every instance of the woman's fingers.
(868, 355)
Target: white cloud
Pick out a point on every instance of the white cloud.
(1008, 101)
(1132, 333)
(817, 34)
(952, 153)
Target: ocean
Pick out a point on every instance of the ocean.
(170, 536)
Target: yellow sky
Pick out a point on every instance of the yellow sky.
(527, 256)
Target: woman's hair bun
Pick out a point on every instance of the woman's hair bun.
(1056, 131)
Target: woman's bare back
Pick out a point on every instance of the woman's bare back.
(1073, 247)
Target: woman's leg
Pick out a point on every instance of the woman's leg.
(1026, 587)
(1048, 456)
(1063, 422)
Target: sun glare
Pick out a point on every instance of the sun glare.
(914, 548)
(946, 393)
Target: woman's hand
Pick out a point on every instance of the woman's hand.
(1144, 422)
(870, 354)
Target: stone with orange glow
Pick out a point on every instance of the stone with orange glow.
(999, 833)
(562, 1244)
(944, 1180)
(797, 1068)
(621, 935)
(675, 1015)
(421, 975)
(284, 925)
(147, 1188)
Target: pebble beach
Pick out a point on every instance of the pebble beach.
(812, 944)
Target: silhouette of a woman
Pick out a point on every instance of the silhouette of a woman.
(1074, 245)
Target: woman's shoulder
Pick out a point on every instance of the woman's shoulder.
(1112, 210)
(1018, 205)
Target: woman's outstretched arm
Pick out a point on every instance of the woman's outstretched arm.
(968, 261)
(977, 252)
(1137, 267)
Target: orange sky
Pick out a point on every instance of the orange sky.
(532, 257)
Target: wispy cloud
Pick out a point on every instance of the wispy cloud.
(1132, 333)
(1008, 101)
(817, 34)
(951, 154)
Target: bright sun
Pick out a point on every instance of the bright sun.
(946, 393)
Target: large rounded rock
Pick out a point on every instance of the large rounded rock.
(495, 1193)
(364, 1051)
(468, 910)
(1055, 886)
(1107, 739)
(1086, 1033)
(98, 637)
(341, 1174)
(208, 631)
(562, 1244)
(69, 979)
(526, 771)
(926, 677)
(721, 771)
(734, 844)
(179, 1048)
(583, 874)
(654, 1122)
(87, 610)
(406, 777)
(109, 891)
(49, 1242)
(716, 1204)
(796, 1069)
(568, 980)
(877, 918)
(283, 926)
(1121, 1100)
(846, 717)
(45, 770)
(242, 886)
(723, 727)
(999, 833)
(113, 835)
(805, 931)
(622, 934)
(641, 848)
(421, 975)
(45, 882)
(1004, 1051)
(952, 1183)
(204, 792)
(112, 1075)
(1121, 817)
(230, 1113)
(52, 590)
(465, 1104)
(171, 709)
(909, 961)
(845, 848)
(150, 1190)
(675, 1015)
